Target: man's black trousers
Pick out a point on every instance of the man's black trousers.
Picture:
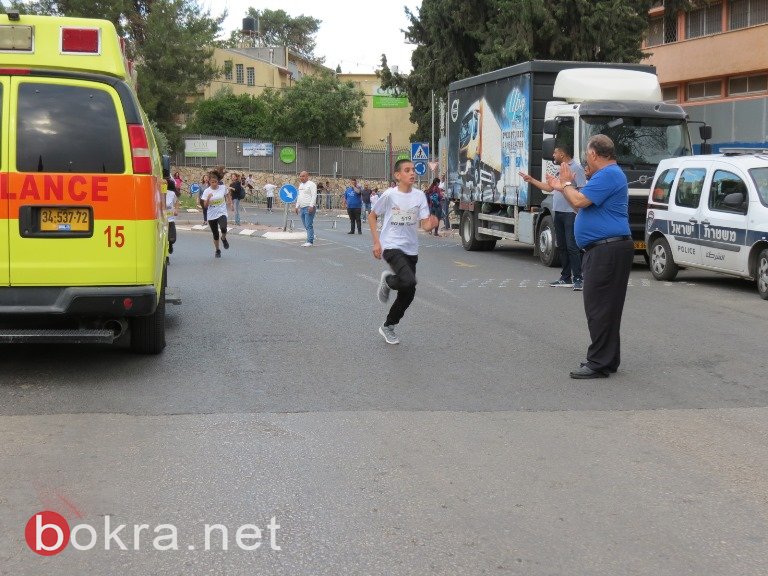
(606, 269)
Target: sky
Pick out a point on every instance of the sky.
(354, 38)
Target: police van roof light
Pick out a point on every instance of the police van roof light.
(81, 40)
(142, 161)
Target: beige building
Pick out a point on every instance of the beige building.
(713, 60)
(383, 115)
(252, 70)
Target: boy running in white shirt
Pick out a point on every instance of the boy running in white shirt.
(402, 208)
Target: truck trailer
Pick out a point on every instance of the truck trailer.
(505, 122)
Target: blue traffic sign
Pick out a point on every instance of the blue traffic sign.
(288, 193)
(419, 151)
(194, 188)
(420, 168)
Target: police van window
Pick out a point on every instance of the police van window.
(760, 178)
(664, 186)
(689, 187)
(728, 193)
(67, 129)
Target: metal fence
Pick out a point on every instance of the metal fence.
(322, 161)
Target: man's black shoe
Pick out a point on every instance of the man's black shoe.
(584, 372)
(608, 370)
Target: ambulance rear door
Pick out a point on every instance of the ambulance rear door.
(71, 192)
(4, 221)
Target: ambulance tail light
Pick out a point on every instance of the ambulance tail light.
(142, 160)
(80, 40)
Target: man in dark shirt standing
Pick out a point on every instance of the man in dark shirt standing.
(602, 232)
(365, 196)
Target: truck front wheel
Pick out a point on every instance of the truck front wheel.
(546, 238)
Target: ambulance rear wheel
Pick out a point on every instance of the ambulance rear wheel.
(663, 266)
(148, 332)
(762, 274)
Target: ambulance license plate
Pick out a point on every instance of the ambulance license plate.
(65, 219)
(639, 245)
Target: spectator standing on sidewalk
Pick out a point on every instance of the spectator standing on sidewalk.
(402, 208)
(365, 196)
(305, 206)
(328, 196)
(354, 205)
(435, 201)
(171, 210)
(269, 191)
(565, 217)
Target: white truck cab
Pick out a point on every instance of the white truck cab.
(710, 212)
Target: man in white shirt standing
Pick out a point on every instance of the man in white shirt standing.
(269, 188)
(403, 209)
(305, 206)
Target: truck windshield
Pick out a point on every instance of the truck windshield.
(640, 142)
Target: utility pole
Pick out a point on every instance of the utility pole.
(432, 142)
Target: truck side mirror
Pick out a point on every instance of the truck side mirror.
(548, 149)
(550, 126)
(705, 132)
(166, 161)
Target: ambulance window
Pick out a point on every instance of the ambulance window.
(689, 187)
(67, 129)
(728, 193)
(664, 185)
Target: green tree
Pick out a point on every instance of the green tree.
(174, 59)
(316, 110)
(456, 39)
(170, 40)
(278, 28)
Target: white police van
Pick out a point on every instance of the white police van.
(710, 212)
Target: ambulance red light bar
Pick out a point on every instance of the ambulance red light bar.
(80, 40)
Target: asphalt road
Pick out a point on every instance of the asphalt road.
(466, 449)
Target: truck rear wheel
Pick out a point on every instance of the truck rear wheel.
(467, 228)
(148, 332)
(546, 238)
(663, 266)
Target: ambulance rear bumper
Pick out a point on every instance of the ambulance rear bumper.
(77, 302)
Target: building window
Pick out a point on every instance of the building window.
(662, 30)
(655, 32)
(239, 73)
(669, 94)
(743, 13)
(228, 70)
(704, 21)
(702, 90)
(748, 85)
(251, 76)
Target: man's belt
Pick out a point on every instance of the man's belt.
(589, 247)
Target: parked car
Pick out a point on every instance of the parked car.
(710, 212)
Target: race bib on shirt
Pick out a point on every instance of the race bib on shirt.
(400, 217)
(218, 202)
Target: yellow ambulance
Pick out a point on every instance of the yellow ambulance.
(83, 235)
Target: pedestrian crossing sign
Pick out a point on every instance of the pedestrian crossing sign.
(419, 151)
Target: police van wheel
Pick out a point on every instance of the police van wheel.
(148, 332)
(762, 274)
(663, 266)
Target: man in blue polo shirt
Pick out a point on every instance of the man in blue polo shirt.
(602, 232)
